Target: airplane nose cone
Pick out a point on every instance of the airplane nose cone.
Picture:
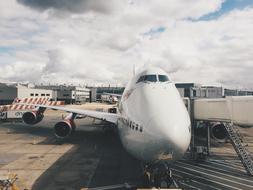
(173, 133)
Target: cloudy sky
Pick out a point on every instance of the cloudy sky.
(97, 41)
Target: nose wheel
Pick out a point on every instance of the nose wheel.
(158, 176)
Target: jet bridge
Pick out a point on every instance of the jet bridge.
(230, 111)
(235, 109)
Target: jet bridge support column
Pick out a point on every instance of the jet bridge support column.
(208, 138)
(193, 125)
(197, 151)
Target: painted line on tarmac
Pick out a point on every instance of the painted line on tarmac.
(194, 181)
(235, 162)
(206, 185)
(185, 184)
(228, 166)
(216, 182)
(217, 162)
(232, 160)
(222, 178)
(227, 161)
(223, 170)
(220, 173)
(238, 164)
(193, 187)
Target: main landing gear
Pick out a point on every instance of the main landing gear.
(158, 176)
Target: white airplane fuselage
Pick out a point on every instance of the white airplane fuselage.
(155, 125)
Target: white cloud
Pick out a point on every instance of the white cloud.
(77, 6)
(100, 43)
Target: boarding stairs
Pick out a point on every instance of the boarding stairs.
(240, 147)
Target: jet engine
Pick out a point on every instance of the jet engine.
(32, 118)
(64, 128)
(218, 132)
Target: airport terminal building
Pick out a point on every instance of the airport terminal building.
(78, 94)
(69, 94)
(9, 92)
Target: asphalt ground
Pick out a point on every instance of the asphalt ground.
(94, 158)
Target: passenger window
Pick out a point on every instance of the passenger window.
(163, 78)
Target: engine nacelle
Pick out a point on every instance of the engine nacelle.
(32, 118)
(218, 132)
(64, 128)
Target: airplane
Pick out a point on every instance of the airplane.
(152, 122)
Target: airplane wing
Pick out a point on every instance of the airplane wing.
(110, 117)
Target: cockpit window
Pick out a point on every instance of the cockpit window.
(140, 79)
(150, 78)
(163, 78)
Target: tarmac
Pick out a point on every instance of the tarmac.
(92, 158)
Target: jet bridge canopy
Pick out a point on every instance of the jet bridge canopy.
(235, 109)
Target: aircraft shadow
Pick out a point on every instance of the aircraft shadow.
(96, 159)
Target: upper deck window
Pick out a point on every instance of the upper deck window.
(163, 78)
(150, 78)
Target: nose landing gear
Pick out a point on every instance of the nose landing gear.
(158, 176)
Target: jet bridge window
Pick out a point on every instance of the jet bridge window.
(150, 78)
(163, 78)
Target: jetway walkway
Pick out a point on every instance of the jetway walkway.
(235, 109)
(230, 111)
(240, 148)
